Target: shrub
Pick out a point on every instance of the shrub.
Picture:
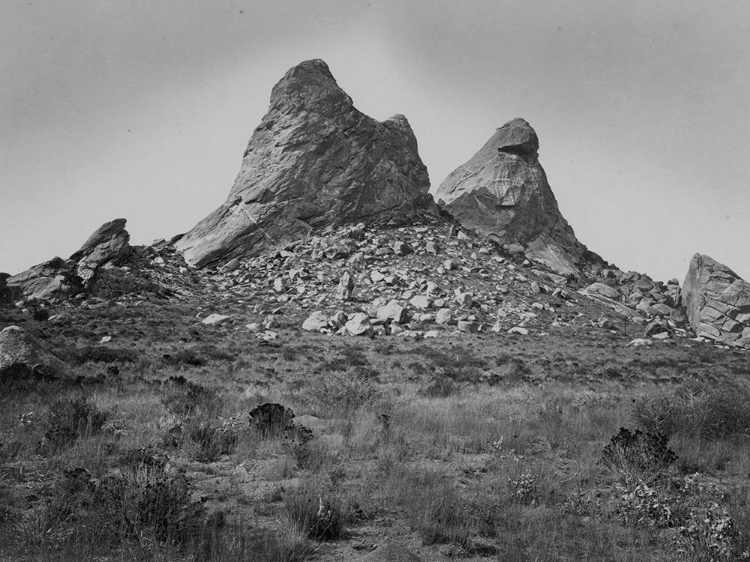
(317, 518)
(102, 354)
(342, 394)
(213, 441)
(144, 501)
(440, 387)
(699, 411)
(270, 419)
(71, 419)
(636, 457)
(113, 283)
(185, 398)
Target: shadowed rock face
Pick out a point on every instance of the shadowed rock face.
(717, 301)
(314, 161)
(502, 192)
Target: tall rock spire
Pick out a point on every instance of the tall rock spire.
(313, 161)
(502, 192)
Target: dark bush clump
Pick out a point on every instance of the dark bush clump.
(270, 419)
(638, 457)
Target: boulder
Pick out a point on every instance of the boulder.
(603, 290)
(313, 161)
(345, 287)
(443, 316)
(358, 325)
(502, 192)
(716, 300)
(215, 319)
(394, 312)
(317, 321)
(22, 355)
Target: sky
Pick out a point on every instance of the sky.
(142, 109)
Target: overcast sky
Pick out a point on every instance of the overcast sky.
(142, 109)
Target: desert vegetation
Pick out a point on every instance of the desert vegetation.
(196, 445)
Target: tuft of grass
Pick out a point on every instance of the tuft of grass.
(315, 512)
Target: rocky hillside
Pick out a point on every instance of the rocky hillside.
(313, 161)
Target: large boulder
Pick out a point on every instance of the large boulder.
(22, 355)
(502, 192)
(313, 161)
(717, 301)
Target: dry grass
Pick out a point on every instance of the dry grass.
(474, 450)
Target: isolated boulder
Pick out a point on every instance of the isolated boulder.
(717, 301)
(22, 355)
(502, 192)
(313, 161)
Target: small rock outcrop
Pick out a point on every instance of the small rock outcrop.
(502, 192)
(717, 301)
(314, 161)
(21, 355)
(108, 243)
(63, 278)
(45, 281)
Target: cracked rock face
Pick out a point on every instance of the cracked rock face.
(717, 301)
(314, 161)
(502, 192)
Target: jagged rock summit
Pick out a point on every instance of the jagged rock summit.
(502, 192)
(314, 161)
(717, 301)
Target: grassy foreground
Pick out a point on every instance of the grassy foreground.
(475, 447)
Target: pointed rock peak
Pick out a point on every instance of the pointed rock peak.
(314, 161)
(502, 192)
(309, 83)
(516, 137)
(108, 233)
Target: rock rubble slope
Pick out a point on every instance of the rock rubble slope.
(314, 161)
(502, 192)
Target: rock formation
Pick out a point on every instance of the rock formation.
(717, 301)
(61, 278)
(502, 192)
(314, 161)
(107, 243)
(22, 355)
